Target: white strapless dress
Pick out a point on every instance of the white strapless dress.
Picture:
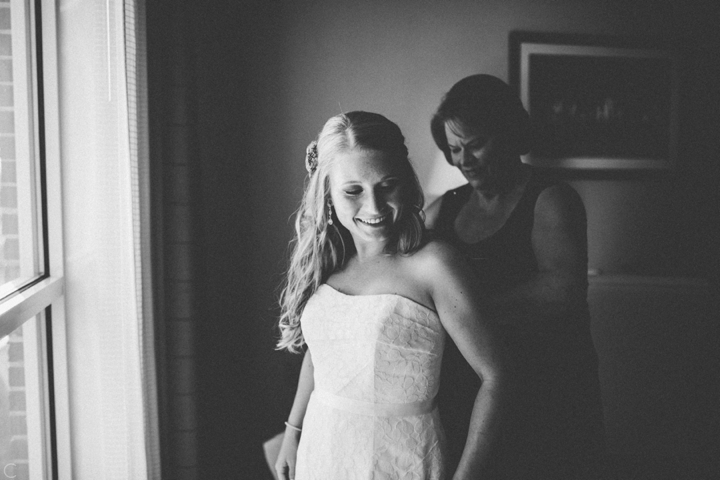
(372, 414)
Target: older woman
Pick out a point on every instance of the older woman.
(525, 238)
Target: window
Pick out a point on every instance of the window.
(20, 167)
(75, 308)
(31, 273)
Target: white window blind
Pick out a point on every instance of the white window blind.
(103, 120)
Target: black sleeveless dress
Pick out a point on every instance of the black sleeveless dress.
(554, 427)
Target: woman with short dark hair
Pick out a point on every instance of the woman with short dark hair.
(525, 237)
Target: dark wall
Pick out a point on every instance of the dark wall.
(266, 75)
(237, 47)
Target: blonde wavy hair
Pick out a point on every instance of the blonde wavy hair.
(319, 249)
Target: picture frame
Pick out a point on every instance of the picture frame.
(597, 103)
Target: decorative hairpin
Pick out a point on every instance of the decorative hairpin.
(311, 157)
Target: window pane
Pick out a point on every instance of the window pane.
(20, 226)
(22, 399)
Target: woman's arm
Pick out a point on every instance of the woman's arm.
(455, 295)
(432, 211)
(559, 241)
(285, 464)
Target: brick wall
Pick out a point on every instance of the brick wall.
(13, 415)
(17, 451)
(9, 244)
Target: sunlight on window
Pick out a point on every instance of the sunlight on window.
(22, 417)
(19, 169)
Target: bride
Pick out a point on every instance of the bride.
(369, 299)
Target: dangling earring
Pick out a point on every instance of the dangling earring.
(330, 221)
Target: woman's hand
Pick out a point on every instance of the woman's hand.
(285, 464)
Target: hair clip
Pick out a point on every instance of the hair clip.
(311, 157)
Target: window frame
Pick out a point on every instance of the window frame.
(46, 292)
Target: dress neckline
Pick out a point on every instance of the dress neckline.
(410, 300)
(464, 192)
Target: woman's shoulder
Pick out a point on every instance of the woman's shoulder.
(439, 267)
(432, 212)
(435, 254)
(450, 197)
(548, 188)
(559, 198)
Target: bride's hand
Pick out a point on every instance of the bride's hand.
(285, 464)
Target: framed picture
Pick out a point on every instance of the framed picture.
(597, 102)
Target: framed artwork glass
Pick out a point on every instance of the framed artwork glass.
(597, 102)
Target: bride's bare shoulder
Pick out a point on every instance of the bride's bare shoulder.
(436, 254)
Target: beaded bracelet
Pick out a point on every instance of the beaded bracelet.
(293, 427)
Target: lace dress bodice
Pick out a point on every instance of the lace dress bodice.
(372, 413)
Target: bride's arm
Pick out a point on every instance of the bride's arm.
(454, 291)
(285, 465)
